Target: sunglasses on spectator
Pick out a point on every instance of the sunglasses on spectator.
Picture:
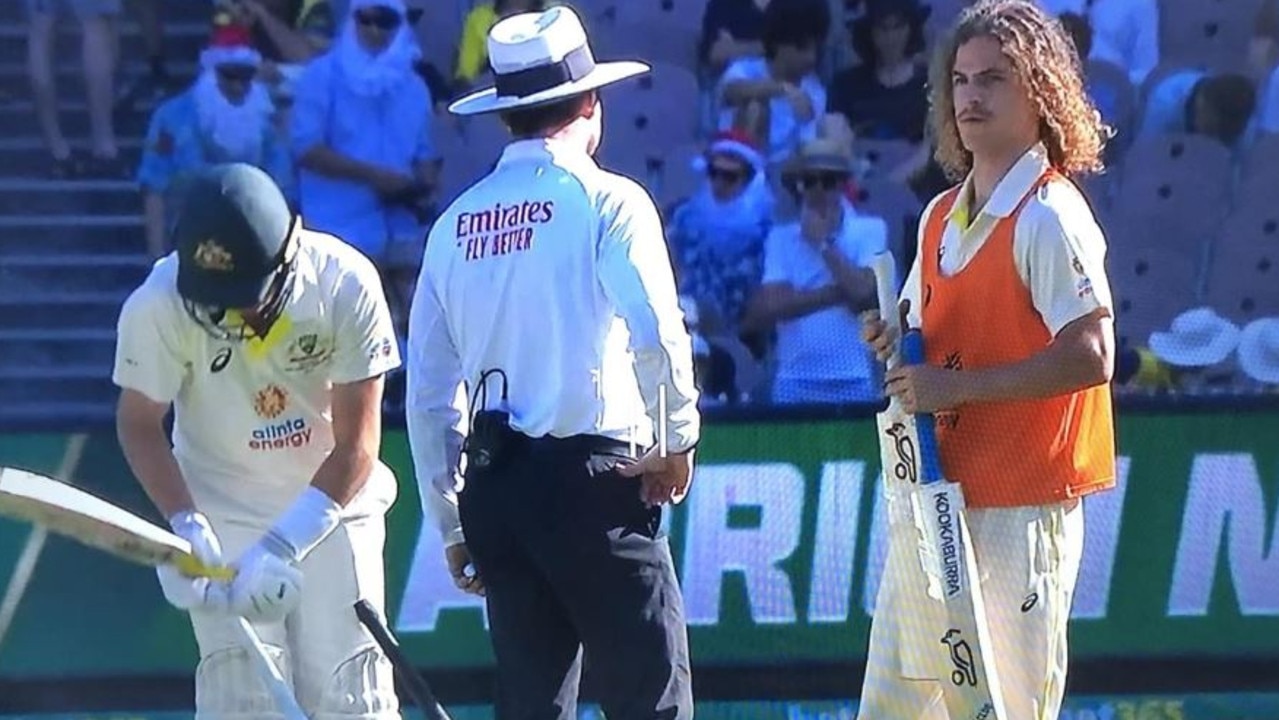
(826, 181)
(726, 174)
(237, 73)
(381, 18)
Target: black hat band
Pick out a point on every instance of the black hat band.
(576, 65)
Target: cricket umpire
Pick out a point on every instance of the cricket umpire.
(545, 342)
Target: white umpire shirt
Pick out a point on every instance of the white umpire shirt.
(555, 271)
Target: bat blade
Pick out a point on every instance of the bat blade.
(78, 515)
(970, 687)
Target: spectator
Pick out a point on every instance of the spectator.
(779, 96)
(731, 30)
(1219, 106)
(717, 235)
(362, 132)
(98, 41)
(816, 281)
(1196, 346)
(884, 97)
(225, 116)
(1259, 352)
(1124, 32)
(472, 49)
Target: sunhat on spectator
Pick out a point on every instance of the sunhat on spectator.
(1198, 337)
(1259, 350)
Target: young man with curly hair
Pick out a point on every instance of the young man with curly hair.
(1010, 291)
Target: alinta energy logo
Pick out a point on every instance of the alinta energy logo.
(269, 403)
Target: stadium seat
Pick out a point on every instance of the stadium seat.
(1151, 285)
(1204, 31)
(899, 207)
(679, 179)
(652, 114)
(1174, 187)
(1243, 278)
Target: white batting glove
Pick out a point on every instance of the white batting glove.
(268, 585)
(185, 592)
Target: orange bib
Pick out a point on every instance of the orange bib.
(1008, 453)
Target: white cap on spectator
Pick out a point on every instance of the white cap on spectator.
(538, 58)
(1198, 338)
(1259, 350)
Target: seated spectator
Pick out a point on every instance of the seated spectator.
(1195, 347)
(779, 96)
(472, 48)
(717, 235)
(731, 30)
(1259, 352)
(1124, 32)
(1219, 106)
(362, 133)
(225, 116)
(816, 281)
(884, 97)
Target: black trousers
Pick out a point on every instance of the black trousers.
(577, 571)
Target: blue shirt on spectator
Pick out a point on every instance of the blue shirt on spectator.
(176, 146)
(391, 130)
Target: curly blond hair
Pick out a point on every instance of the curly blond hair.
(1046, 62)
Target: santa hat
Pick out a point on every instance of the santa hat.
(733, 142)
(230, 45)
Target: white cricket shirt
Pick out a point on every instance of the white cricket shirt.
(1059, 248)
(253, 419)
(557, 272)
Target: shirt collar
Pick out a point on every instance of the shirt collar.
(1011, 188)
(559, 152)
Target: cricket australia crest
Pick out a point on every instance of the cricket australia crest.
(209, 255)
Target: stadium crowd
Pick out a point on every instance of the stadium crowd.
(788, 144)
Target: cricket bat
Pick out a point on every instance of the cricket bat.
(908, 447)
(75, 514)
(412, 681)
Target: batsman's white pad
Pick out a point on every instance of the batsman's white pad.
(362, 688)
(227, 686)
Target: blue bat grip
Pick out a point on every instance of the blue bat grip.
(929, 459)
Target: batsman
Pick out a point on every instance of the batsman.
(270, 343)
(1009, 290)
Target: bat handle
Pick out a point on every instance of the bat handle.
(925, 429)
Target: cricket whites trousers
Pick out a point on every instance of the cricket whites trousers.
(1028, 561)
(335, 666)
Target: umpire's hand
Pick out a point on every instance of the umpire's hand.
(465, 576)
(662, 479)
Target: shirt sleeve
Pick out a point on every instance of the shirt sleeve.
(775, 268)
(157, 168)
(148, 351)
(311, 109)
(366, 346)
(635, 273)
(1061, 253)
(913, 287)
(435, 410)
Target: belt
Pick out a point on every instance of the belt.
(584, 444)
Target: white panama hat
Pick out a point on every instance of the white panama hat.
(1198, 338)
(1259, 350)
(538, 58)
